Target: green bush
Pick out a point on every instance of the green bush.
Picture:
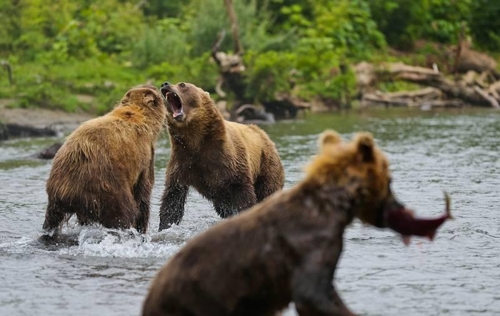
(485, 24)
(404, 21)
(350, 25)
(47, 95)
(164, 41)
(201, 71)
(268, 73)
(254, 24)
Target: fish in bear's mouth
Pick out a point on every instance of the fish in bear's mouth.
(403, 221)
(175, 103)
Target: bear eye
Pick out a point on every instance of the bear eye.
(182, 84)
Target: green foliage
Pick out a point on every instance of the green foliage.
(485, 24)
(46, 95)
(163, 9)
(269, 73)
(161, 42)
(404, 21)
(61, 49)
(290, 14)
(200, 70)
(205, 25)
(65, 29)
(316, 56)
(349, 24)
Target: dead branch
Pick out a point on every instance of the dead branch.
(427, 77)
(238, 49)
(487, 97)
(216, 46)
(428, 93)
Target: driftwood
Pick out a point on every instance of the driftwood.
(49, 152)
(389, 99)
(467, 59)
(231, 70)
(251, 114)
(16, 130)
(469, 91)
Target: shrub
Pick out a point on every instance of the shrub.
(268, 73)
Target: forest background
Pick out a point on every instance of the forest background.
(82, 54)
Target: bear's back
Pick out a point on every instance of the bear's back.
(100, 150)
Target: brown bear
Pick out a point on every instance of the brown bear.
(104, 172)
(231, 164)
(286, 248)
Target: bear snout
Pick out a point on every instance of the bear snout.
(165, 88)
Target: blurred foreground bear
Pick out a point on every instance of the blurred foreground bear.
(231, 164)
(286, 248)
(104, 170)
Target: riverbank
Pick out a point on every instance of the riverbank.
(60, 121)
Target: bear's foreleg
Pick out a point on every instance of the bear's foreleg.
(116, 209)
(267, 185)
(314, 294)
(312, 283)
(234, 199)
(271, 177)
(142, 197)
(54, 217)
(172, 203)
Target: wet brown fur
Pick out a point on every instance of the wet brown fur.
(282, 250)
(231, 164)
(104, 173)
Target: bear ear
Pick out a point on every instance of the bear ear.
(365, 146)
(329, 137)
(148, 98)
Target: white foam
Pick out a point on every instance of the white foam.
(99, 242)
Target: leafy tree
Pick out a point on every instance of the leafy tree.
(349, 24)
(404, 21)
(485, 24)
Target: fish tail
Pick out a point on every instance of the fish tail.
(448, 208)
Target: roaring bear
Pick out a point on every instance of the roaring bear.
(104, 172)
(232, 165)
(285, 249)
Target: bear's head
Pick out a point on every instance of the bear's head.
(359, 167)
(149, 99)
(186, 102)
(361, 170)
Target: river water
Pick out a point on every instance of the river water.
(103, 272)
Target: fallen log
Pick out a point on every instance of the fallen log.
(427, 99)
(474, 95)
(428, 93)
(494, 90)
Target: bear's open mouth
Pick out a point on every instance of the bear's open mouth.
(175, 103)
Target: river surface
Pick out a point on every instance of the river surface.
(104, 272)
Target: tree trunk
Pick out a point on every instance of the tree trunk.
(238, 49)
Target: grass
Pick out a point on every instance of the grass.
(60, 86)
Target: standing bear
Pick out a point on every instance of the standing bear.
(286, 248)
(231, 164)
(104, 172)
